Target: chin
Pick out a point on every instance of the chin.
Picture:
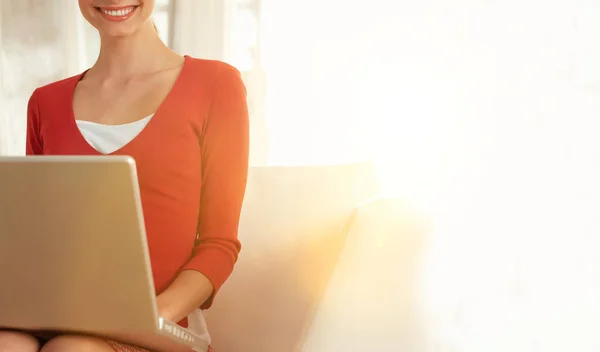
(117, 18)
(117, 31)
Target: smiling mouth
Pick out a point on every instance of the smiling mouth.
(116, 14)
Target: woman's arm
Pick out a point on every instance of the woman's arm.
(224, 146)
(33, 144)
(188, 292)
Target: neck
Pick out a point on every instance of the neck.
(139, 53)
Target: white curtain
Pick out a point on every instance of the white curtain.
(40, 43)
(199, 28)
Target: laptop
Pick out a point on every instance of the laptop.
(73, 252)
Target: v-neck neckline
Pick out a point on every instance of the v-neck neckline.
(157, 113)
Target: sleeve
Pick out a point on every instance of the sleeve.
(225, 153)
(33, 143)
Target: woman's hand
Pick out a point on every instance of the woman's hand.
(186, 294)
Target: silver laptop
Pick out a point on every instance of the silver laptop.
(73, 252)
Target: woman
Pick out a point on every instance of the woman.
(185, 121)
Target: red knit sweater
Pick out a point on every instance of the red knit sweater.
(192, 162)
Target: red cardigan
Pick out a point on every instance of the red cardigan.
(192, 163)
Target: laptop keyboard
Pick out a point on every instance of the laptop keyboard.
(178, 332)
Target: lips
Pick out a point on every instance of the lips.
(117, 14)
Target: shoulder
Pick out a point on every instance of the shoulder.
(210, 67)
(56, 91)
(213, 72)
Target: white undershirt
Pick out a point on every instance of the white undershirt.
(109, 138)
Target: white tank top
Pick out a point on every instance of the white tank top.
(109, 138)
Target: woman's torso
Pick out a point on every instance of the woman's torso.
(166, 150)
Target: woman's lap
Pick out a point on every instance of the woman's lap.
(17, 341)
(116, 346)
(119, 347)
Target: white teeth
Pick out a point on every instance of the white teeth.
(118, 13)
